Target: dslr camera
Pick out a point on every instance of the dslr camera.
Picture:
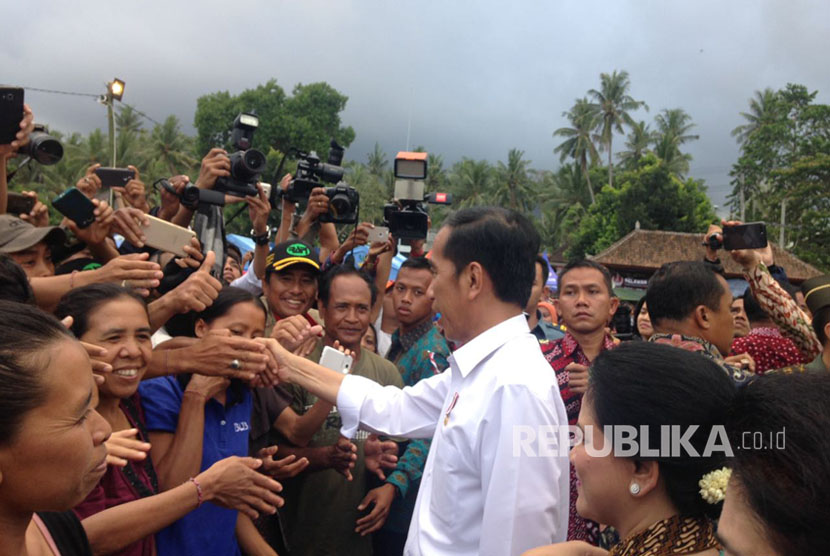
(406, 216)
(247, 164)
(344, 200)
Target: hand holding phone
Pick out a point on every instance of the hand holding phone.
(17, 203)
(378, 234)
(11, 113)
(76, 206)
(745, 236)
(336, 360)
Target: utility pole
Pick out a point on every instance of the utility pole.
(783, 222)
(743, 199)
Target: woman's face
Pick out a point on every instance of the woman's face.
(121, 326)
(644, 323)
(602, 480)
(58, 455)
(369, 341)
(245, 319)
(545, 314)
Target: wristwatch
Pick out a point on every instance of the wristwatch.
(263, 239)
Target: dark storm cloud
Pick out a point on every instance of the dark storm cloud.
(477, 77)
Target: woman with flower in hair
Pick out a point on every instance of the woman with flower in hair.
(652, 460)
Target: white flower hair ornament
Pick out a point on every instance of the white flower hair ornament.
(713, 485)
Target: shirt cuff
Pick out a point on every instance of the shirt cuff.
(400, 480)
(350, 400)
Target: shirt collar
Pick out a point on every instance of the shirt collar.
(468, 356)
(765, 331)
(689, 343)
(408, 340)
(570, 345)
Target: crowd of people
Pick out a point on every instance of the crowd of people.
(300, 403)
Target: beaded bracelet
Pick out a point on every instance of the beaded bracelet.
(198, 490)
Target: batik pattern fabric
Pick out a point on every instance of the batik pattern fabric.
(707, 350)
(769, 349)
(559, 354)
(783, 310)
(674, 536)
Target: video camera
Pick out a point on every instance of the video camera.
(344, 200)
(42, 148)
(406, 217)
(247, 164)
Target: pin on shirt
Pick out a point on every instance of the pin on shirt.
(450, 408)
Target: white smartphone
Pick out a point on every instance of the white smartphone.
(378, 234)
(336, 360)
(166, 236)
(266, 188)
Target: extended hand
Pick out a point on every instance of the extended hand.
(379, 455)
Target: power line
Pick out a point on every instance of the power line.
(56, 92)
(53, 91)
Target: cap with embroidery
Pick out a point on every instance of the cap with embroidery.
(18, 235)
(289, 253)
(816, 292)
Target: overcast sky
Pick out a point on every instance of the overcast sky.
(477, 77)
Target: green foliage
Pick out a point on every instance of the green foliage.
(651, 194)
(306, 120)
(784, 159)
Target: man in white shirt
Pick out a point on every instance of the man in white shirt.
(481, 492)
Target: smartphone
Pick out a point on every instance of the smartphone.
(336, 360)
(166, 236)
(266, 187)
(11, 113)
(75, 206)
(114, 177)
(378, 234)
(745, 236)
(17, 203)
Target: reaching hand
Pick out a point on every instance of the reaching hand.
(258, 210)
(234, 483)
(382, 498)
(133, 271)
(27, 125)
(134, 192)
(97, 232)
(284, 468)
(747, 258)
(199, 290)
(379, 455)
(342, 457)
(124, 446)
(215, 352)
(295, 332)
(169, 202)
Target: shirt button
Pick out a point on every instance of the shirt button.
(222, 422)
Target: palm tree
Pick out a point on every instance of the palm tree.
(436, 175)
(760, 110)
(170, 148)
(613, 103)
(513, 186)
(471, 183)
(377, 161)
(579, 143)
(673, 126)
(637, 143)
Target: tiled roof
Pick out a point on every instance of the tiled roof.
(650, 249)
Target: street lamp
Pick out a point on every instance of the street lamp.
(115, 90)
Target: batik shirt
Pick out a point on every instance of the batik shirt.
(559, 354)
(420, 353)
(769, 349)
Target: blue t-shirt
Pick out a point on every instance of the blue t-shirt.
(210, 529)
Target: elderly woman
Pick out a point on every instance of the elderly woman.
(52, 451)
(651, 491)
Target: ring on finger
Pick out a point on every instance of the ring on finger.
(236, 365)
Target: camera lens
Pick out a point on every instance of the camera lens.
(44, 148)
(254, 161)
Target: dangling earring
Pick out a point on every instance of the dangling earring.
(634, 489)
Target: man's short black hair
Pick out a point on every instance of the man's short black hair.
(326, 280)
(416, 263)
(587, 263)
(545, 269)
(502, 241)
(677, 288)
(820, 320)
(752, 308)
(234, 252)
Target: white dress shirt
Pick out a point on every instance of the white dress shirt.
(478, 494)
(249, 282)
